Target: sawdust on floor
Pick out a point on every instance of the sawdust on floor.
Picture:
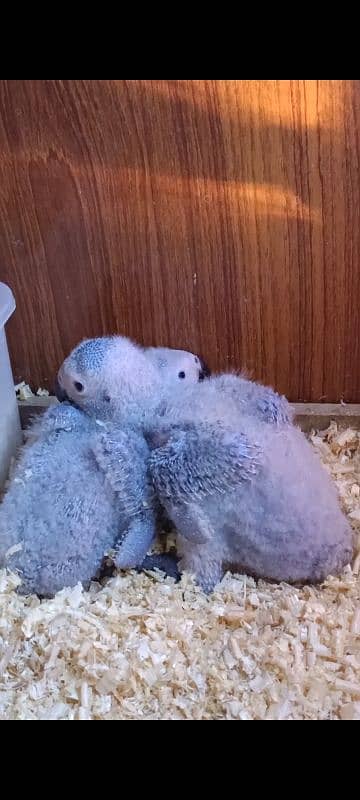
(144, 648)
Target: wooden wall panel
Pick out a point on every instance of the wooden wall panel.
(217, 216)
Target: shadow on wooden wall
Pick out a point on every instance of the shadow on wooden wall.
(218, 216)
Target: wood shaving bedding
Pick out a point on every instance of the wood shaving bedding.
(143, 648)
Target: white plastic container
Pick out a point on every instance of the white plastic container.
(10, 432)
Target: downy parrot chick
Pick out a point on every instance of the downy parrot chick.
(177, 366)
(79, 490)
(250, 397)
(112, 379)
(245, 494)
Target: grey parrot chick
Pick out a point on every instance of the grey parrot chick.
(114, 380)
(227, 397)
(245, 493)
(111, 377)
(78, 492)
(177, 366)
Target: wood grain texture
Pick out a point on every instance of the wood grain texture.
(217, 216)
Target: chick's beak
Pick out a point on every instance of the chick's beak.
(59, 391)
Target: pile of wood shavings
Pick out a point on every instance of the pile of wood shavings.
(23, 392)
(143, 648)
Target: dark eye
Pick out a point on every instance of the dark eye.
(106, 398)
(181, 374)
(196, 360)
(78, 386)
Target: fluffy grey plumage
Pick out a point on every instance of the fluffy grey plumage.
(112, 377)
(252, 398)
(228, 397)
(82, 487)
(177, 365)
(78, 491)
(246, 494)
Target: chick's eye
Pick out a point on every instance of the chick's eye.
(106, 398)
(78, 386)
(181, 374)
